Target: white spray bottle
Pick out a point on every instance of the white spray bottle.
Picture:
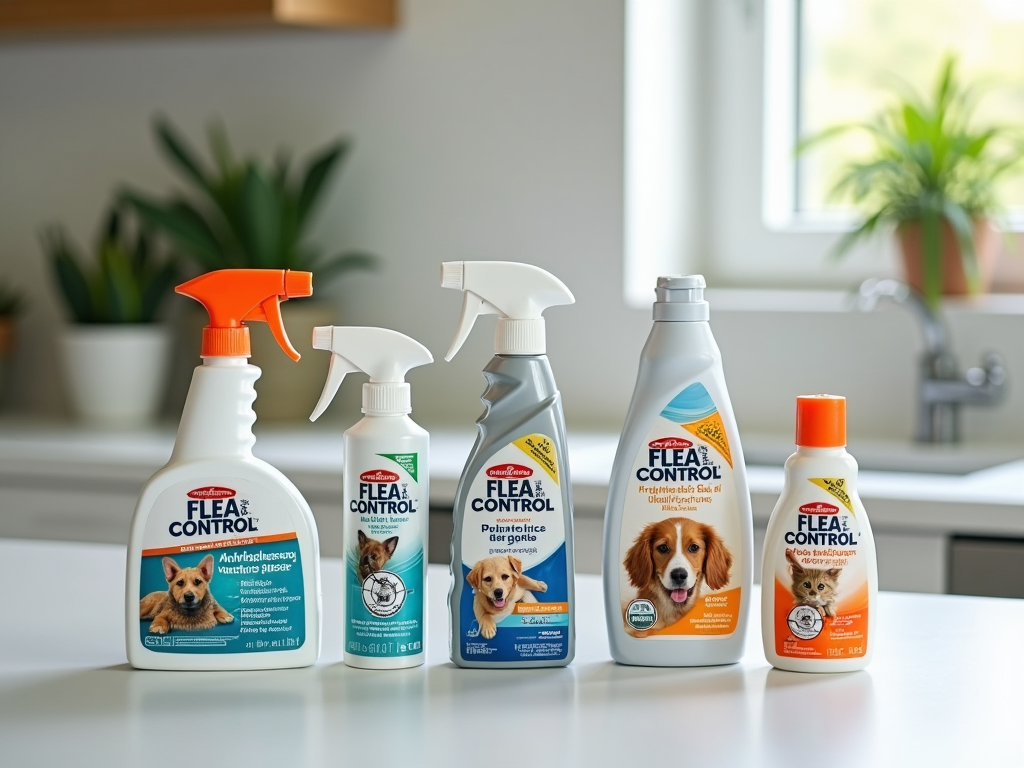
(386, 498)
(223, 555)
(512, 602)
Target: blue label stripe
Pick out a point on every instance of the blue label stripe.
(521, 637)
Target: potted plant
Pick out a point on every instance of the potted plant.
(12, 304)
(243, 212)
(932, 176)
(115, 353)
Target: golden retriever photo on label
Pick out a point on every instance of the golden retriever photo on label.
(374, 554)
(188, 603)
(498, 584)
(669, 562)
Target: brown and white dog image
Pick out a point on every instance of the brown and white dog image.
(499, 583)
(668, 564)
(187, 603)
(374, 554)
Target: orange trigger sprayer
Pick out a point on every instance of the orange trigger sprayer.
(233, 297)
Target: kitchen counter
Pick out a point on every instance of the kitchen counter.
(67, 695)
(77, 483)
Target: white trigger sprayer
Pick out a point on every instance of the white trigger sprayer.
(517, 293)
(386, 473)
(384, 354)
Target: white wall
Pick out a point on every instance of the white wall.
(483, 129)
(488, 130)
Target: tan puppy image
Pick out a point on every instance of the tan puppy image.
(669, 563)
(374, 554)
(498, 583)
(188, 603)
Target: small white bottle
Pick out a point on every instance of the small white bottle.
(223, 555)
(678, 534)
(819, 578)
(386, 498)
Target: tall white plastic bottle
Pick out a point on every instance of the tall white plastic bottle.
(819, 576)
(223, 556)
(386, 498)
(512, 603)
(678, 532)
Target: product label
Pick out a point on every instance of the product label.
(515, 602)
(821, 586)
(385, 520)
(681, 534)
(220, 572)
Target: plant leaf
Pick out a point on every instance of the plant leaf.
(70, 277)
(178, 151)
(183, 224)
(220, 148)
(261, 234)
(318, 171)
(157, 289)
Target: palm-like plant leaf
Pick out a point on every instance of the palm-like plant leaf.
(127, 283)
(929, 165)
(247, 214)
(178, 151)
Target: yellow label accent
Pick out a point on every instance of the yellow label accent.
(837, 487)
(711, 430)
(542, 450)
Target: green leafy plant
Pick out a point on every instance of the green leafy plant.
(245, 213)
(126, 284)
(12, 300)
(929, 164)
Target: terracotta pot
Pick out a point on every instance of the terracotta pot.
(6, 336)
(6, 352)
(954, 281)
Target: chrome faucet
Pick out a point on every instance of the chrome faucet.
(941, 388)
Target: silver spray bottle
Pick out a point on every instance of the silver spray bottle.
(512, 601)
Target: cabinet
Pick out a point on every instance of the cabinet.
(28, 17)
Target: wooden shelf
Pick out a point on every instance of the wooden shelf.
(29, 17)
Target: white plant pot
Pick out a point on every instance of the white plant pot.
(116, 374)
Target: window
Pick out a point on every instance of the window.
(717, 94)
(847, 56)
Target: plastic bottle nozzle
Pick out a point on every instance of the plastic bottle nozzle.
(517, 293)
(233, 297)
(384, 354)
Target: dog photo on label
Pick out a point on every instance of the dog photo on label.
(815, 587)
(498, 584)
(188, 603)
(374, 554)
(669, 562)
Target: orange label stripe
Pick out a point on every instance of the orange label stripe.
(534, 609)
(223, 544)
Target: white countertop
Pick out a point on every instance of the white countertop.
(943, 690)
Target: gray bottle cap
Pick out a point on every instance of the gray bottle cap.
(681, 298)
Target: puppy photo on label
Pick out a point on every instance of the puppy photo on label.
(374, 554)
(187, 604)
(668, 564)
(498, 584)
(815, 587)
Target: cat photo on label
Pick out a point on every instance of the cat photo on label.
(814, 587)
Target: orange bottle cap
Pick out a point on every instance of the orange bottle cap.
(821, 421)
(233, 297)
